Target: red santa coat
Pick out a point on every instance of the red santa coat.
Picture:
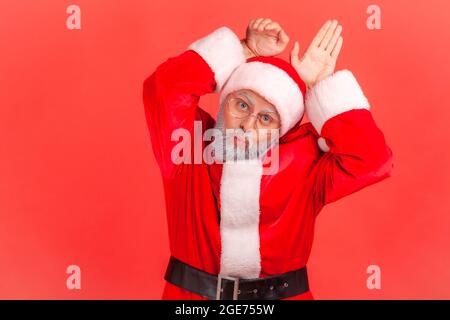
(339, 152)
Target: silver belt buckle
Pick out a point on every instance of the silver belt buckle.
(219, 286)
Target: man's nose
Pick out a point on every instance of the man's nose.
(249, 123)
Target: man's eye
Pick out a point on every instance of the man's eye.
(266, 118)
(243, 106)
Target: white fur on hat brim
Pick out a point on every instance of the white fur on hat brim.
(273, 84)
(222, 50)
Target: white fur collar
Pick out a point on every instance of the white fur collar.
(239, 226)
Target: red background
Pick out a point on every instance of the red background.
(79, 183)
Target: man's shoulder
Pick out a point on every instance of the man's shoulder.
(301, 143)
(300, 133)
(207, 120)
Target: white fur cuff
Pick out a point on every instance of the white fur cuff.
(333, 95)
(222, 50)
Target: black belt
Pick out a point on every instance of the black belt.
(286, 285)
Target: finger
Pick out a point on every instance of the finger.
(319, 36)
(257, 22)
(272, 26)
(263, 23)
(294, 53)
(251, 23)
(326, 39)
(283, 37)
(337, 48)
(334, 39)
(254, 25)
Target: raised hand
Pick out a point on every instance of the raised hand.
(319, 60)
(264, 37)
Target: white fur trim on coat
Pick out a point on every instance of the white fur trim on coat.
(222, 50)
(272, 83)
(239, 224)
(331, 96)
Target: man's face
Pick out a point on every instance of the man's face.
(248, 112)
(250, 123)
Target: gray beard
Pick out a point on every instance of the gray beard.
(225, 150)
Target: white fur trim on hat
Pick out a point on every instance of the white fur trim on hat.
(272, 83)
(239, 224)
(331, 96)
(222, 50)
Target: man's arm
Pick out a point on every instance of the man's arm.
(355, 151)
(356, 154)
(172, 92)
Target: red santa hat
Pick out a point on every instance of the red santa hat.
(276, 81)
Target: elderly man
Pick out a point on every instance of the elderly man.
(237, 230)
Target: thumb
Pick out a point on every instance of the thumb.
(284, 38)
(294, 53)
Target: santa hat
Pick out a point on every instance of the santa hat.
(276, 81)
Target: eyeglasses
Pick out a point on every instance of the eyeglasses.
(240, 109)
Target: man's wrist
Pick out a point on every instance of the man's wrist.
(247, 52)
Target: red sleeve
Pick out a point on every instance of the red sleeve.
(172, 92)
(355, 151)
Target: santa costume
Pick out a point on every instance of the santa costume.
(231, 219)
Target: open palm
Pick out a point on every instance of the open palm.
(319, 60)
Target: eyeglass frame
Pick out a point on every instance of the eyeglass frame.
(232, 96)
